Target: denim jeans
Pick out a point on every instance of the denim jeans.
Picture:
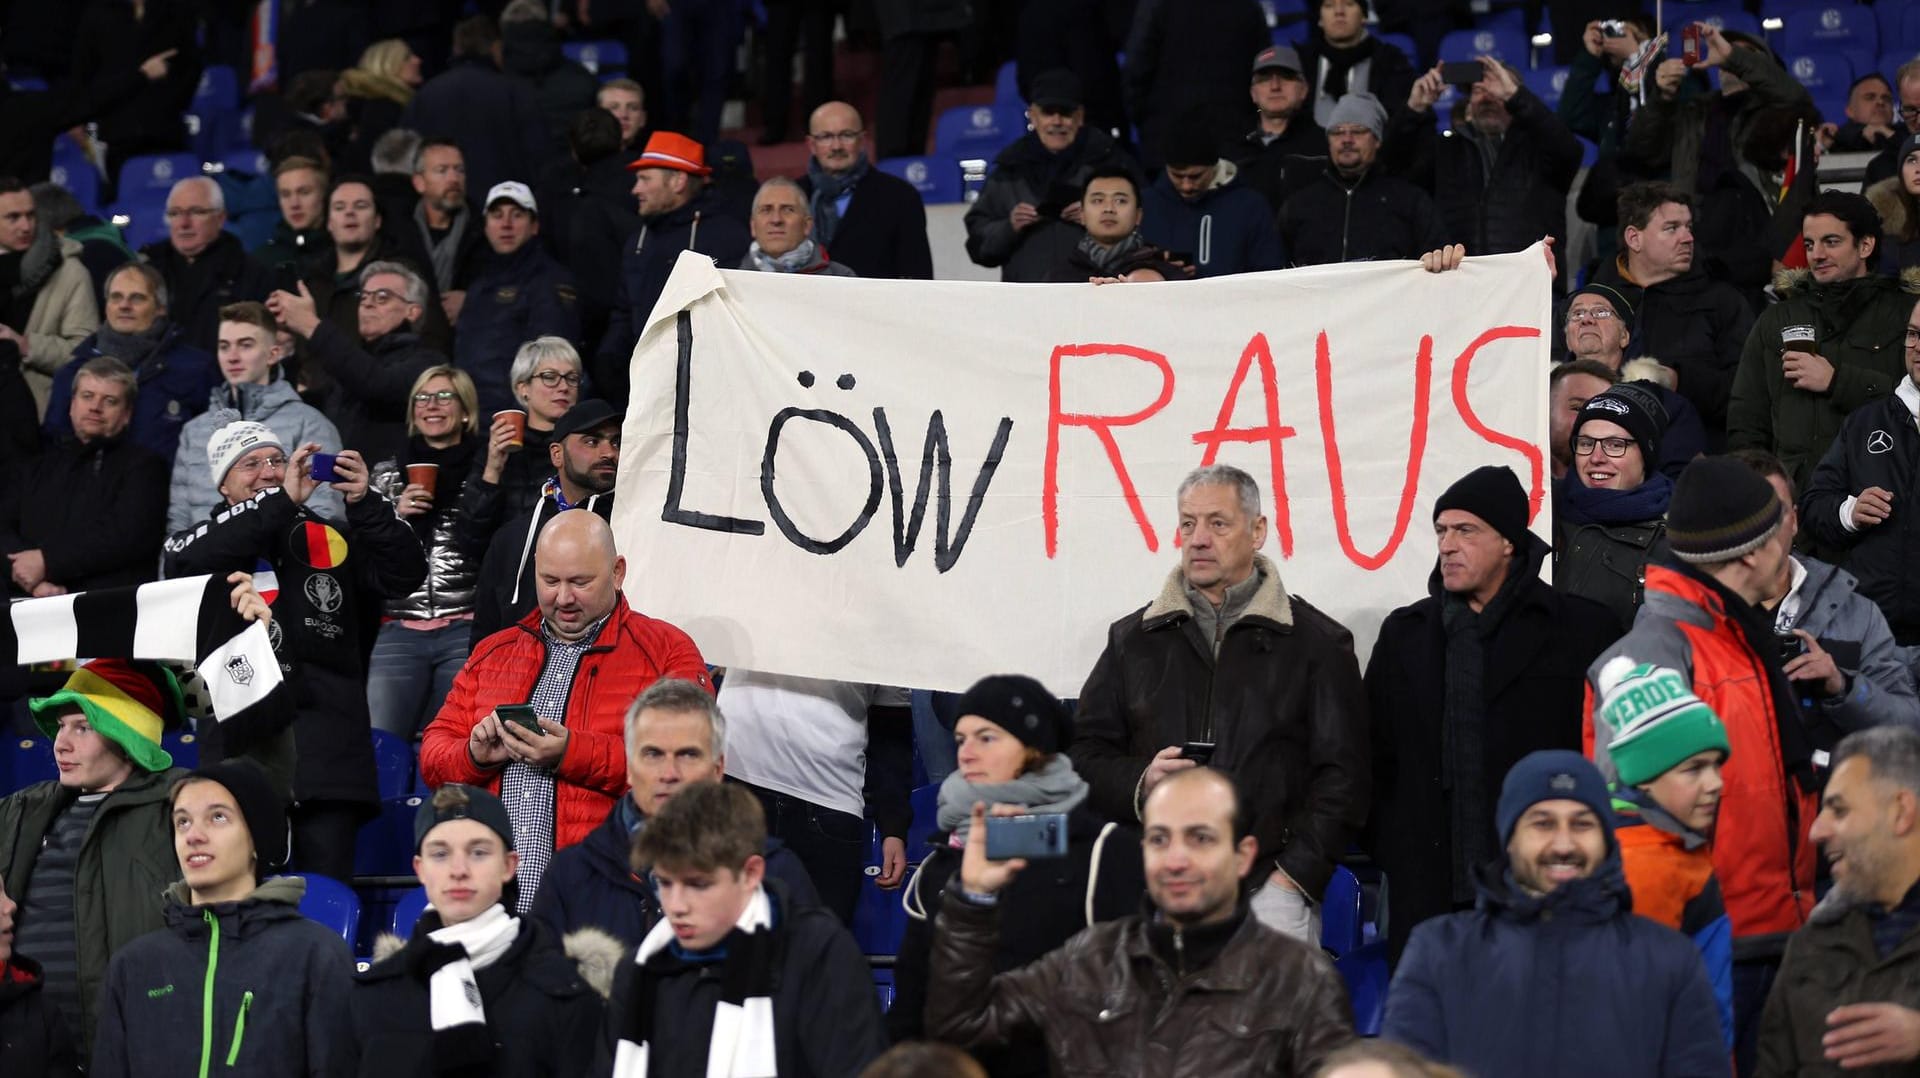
(410, 673)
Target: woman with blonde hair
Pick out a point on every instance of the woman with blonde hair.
(423, 637)
(377, 91)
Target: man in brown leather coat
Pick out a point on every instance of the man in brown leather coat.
(1196, 986)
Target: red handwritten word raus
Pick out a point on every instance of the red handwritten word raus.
(1274, 434)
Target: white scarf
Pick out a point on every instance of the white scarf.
(742, 1044)
(452, 992)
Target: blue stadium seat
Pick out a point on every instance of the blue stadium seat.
(331, 903)
(1549, 83)
(27, 83)
(1890, 62)
(1505, 19)
(146, 217)
(1589, 151)
(1287, 14)
(218, 93)
(208, 133)
(599, 57)
(245, 160)
(407, 911)
(183, 746)
(156, 172)
(384, 846)
(1821, 72)
(926, 820)
(73, 171)
(936, 177)
(1340, 913)
(1365, 972)
(1407, 47)
(883, 987)
(1508, 46)
(29, 760)
(878, 919)
(1890, 19)
(1909, 35)
(1006, 86)
(393, 765)
(978, 130)
(1845, 28)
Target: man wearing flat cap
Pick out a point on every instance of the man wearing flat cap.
(1488, 667)
(677, 213)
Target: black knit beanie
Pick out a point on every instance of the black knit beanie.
(1635, 407)
(1022, 707)
(1721, 509)
(260, 808)
(1494, 494)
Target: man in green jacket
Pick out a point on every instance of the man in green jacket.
(1848, 996)
(87, 855)
(1834, 342)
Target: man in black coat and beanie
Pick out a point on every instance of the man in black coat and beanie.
(1489, 667)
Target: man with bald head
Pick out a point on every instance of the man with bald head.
(537, 715)
(204, 266)
(873, 222)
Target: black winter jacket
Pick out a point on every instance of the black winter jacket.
(883, 234)
(701, 225)
(1226, 229)
(518, 297)
(1878, 446)
(95, 510)
(34, 1039)
(1186, 57)
(369, 402)
(530, 52)
(826, 1018)
(495, 118)
(1027, 172)
(543, 1014)
(1283, 704)
(1375, 219)
(592, 884)
(1694, 324)
(323, 574)
(1533, 685)
(268, 986)
(1101, 878)
(223, 273)
(490, 505)
(1494, 195)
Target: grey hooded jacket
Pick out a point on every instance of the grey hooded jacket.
(1880, 689)
(195, 494)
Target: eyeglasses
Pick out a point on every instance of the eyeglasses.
(1913, 337)
(1591, 314)
(378, 296)
(550, 379)
(263, 464)
(837, 136)
(441, 396)
(1613, 447)
(1910, 113)
(174, 213)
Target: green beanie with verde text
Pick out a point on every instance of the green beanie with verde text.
(1654, 721)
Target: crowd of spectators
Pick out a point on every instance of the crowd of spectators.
(1599, 805)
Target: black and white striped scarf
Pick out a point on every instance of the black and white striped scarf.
(188, 620)
(742, 1043)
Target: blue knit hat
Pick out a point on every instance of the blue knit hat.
(1551, 775)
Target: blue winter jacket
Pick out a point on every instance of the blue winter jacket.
(1570, 983)
(174, 382)
(1228, 228)
(593, 883)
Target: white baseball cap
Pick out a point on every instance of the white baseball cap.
(515, 192)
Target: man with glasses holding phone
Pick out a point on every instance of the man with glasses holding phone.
(205, 267)
(372, 382)
(874, 222)
(522, 294)
(315, 574)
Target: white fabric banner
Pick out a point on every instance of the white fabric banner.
(921, 483)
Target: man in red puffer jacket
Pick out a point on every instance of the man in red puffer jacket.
(577, 663)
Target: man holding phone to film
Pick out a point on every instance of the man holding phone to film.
(315, 573)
